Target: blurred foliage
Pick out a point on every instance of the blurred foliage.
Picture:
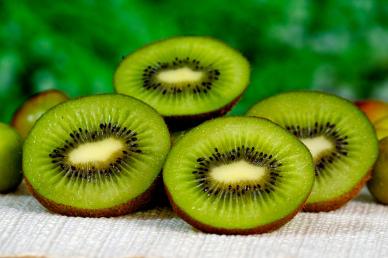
(339, 46)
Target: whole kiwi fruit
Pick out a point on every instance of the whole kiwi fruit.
(378, 185)
(10, 159)
(34, 107)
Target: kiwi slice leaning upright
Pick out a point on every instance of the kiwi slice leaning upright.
(340, 137)
(238, 175)
(186, 79)
(96, 156)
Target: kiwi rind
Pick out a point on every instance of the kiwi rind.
(179, 123)
(178, 197)
(279, 106)
(340, 201)
(142, 201)
(181, 113)
(227, 231)
(101, 106)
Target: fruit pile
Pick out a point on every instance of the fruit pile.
(109, 155)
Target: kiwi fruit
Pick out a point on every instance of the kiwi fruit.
(186, 79)
(177, 135)
(10, 159)
(96, 156)
(33, 108)
(340, 137)
(381, 127)
(238, 175)
(378, 185)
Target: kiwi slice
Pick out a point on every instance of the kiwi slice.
(96, 156)
(238, 175)
(176, 136)
(186, 79)
(340, 137)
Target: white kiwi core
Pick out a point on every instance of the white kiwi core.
(318, 145)
(96, 152)
(239, 171)
(179, 75)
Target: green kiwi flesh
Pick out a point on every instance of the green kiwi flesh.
(340, 137)
(238, 175)
(185, 78)
(10, 159)
(96, 156)
(176, 136)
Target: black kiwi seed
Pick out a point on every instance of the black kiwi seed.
(329, 130)
(150, 81)
(241, 153)
(59, 156)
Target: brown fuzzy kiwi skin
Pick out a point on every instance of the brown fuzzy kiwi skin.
(178, 123)
(236, 231)
(140, 202)
(339, 201)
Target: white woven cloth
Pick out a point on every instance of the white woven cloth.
(360, 229)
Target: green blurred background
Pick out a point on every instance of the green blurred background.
(338, 46)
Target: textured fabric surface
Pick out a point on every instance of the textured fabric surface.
(360, 229)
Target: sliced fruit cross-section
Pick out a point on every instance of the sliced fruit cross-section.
(96, 156)
(186, 79)
(339, 136)
(238, 175)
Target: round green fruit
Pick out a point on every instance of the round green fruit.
(378, 185)
(381, 127)
(10, 159)
(31, 110)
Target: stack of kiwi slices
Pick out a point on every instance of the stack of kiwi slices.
(104, 155)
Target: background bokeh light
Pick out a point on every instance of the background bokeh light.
(337, 46)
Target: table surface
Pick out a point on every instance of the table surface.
(360, 229)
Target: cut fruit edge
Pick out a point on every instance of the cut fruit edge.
(235, 231)
(340, 201)
(141, 201)
(178, 123)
